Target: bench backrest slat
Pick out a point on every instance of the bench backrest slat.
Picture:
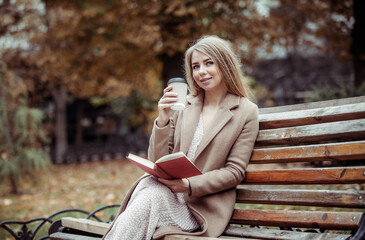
(347, 130)
(307, 153)
(320, 198)
(312, 105)
(312, 116)
(339, 175)
(308, 219)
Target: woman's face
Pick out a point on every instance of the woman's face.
(205, 72)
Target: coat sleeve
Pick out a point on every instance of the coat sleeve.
(161, 141)
(233, 172)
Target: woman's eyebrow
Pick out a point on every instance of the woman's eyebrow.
(205, 60)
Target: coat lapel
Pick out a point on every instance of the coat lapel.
(221, 118)
(190, 121)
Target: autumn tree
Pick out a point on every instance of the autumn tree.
(71, 56)
(165, 28)
(23, 140)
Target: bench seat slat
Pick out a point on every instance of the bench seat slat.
(321, 198)
(307, 153)
(68, 236)
(305, 219)
(86, 225)
(281, 234)
(184, 237)
(312, 116)
(347, 130)
(343, 175)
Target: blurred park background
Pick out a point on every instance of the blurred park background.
(80, 81)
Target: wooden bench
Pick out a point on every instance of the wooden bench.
(306, 179)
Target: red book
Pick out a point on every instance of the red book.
(171, 166)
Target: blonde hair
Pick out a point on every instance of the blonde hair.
(226, 60)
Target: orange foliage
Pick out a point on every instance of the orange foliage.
(110, 47)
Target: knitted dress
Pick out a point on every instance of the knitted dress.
(153, 205)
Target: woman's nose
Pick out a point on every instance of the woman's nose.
(202, 70)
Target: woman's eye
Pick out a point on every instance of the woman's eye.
(210, 63)
(195, 67)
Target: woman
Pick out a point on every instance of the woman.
(216, 130)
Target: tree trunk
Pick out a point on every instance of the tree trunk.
(173, 66)
(13, 184)
(358, 40)
(4, 118)
(59, 96)
(79, 115)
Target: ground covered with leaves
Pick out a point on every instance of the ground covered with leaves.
(86, 186)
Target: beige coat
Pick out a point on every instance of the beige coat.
(222, 156)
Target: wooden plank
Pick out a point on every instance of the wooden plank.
(312, 116)
(305, 219)
(239, 238)
(185, 237)
(308, 153)
(68, 236)
(307, 176)
(321, 198)
(85, 225)
(281, 234)
(312, 105)
(347, 130)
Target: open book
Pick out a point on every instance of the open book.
(171, 166)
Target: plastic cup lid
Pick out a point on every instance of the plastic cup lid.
(173, 80)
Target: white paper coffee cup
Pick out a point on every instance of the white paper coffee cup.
(180, 86)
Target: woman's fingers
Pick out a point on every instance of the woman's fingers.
(167, 89)
(167, 100)
(177, 185)
(169, 97)
(164, 106)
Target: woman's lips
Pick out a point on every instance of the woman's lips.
(204, 80)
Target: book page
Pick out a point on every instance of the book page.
(141, 160)
(171, 156)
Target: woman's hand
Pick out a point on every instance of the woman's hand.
(177, 185)
(166, 102)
